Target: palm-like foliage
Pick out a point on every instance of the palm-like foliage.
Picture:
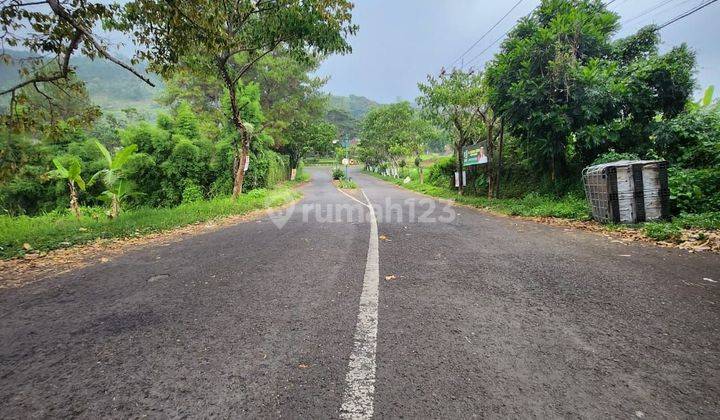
(72, 176)
(117, 189)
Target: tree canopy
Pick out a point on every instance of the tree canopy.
(565, 87)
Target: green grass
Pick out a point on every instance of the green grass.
(60, 229)
(533, 205)
(347, 184)
(672, 231)
(568, 207)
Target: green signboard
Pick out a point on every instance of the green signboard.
(475, 154)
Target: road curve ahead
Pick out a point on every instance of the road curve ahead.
(411, 308)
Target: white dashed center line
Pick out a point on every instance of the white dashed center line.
(360, 379)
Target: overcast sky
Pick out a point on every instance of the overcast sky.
(401, 41)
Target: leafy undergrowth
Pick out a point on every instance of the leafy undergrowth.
(687, 231)
(22, 235)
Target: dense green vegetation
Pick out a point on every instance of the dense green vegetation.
(562, 93)
(534, 205)
(236, 112)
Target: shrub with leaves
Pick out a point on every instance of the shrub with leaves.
(192, 193)
(694, 190)
(338, 174)
(117, 188)
(442, 172)
(71, 175)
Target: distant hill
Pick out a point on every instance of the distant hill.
(114, 88)
(109, 86)
(356, 106)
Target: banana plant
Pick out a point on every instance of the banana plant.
(73, 178)
(116, 195)
(117, 189)
(707, 98)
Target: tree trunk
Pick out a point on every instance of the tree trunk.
(500, 159)
(240, 170)
(115, 207)
(240, 152)
(74, 200)
(420, 174)
(459, 152)
(489, 170)
(294, 163)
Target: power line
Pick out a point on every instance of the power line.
(661, 4)
(647, 11)
(661, 10)
(490, 46)
(507, 32)
(486, 33)
(686, 14)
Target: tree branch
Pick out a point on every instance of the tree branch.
(249, 65)
(60, 11)
(64, 68)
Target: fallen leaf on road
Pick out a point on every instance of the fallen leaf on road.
(303, 366)
(104, 259)
(383, 238)
(391, 277)
(157, 277)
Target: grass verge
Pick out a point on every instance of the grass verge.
(673, 231)
(60, 230)
(689, 229)
(532, 205)
(347, 184)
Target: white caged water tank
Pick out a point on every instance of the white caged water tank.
(628, 191)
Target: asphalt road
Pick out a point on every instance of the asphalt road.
(468, 314)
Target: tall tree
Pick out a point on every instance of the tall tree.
(390, 133)
(225, 39)
(454, 100)
(306, 136)
(566, 88)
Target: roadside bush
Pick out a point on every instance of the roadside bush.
(142, 170)
(690, 140)
(442, 172)
(613, 156)
(25, 193)
(266, 170)
(338, 174)
(694, 190)
(192, 193)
